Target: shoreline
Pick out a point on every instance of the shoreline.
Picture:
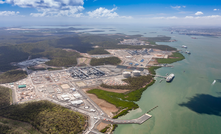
(152, 70)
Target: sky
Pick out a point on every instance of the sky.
(75, 12)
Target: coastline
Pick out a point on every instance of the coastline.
(178, 57)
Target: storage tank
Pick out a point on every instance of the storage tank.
(136, 73)
(126, 74)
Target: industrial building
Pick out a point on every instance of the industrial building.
(86, 72)
(21, 86)
(77, 102)
(127, 74)
(136, 73)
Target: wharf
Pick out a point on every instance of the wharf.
(139, 120)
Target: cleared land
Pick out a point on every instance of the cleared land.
(65, 86)
(176, 56)
(101, 126)
(134, 83)
(108, 108)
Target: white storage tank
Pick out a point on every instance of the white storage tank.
(126, 74)
(136, 73)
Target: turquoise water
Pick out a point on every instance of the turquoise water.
(191, 104)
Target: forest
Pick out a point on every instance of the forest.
(106, 61)
(12, 76)
(36, 45)
(47, 117)
(5, 96)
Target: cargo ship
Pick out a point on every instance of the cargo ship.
(170, 77)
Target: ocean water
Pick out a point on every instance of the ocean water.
(191, 104)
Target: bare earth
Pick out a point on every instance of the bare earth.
(107, 89)
(153, 62)
(105, 106)
(101, 126)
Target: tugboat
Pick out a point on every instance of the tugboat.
(188, 52)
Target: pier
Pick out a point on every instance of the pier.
(139, 120)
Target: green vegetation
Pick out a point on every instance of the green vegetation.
(105, 129)
(98, 51)
(173, 58)
(114, 98)
(36, 45)
(47, 117)
(102, 61)
(121, 100)
(134, 83)
(36, 69)
(158, 39)
(5, 96)
(12, 76)
(4, 129)
(8, 126)
(124, 112)
(52, 69)
(153, 69)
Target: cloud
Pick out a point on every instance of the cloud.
(199, 13)
(204, 17)
(215, 9)
(184, 6)
(168, 18)
(2, 2)
(189, 17)
(50, 7)
(70, 11)
(105, 13)
(176, 7)
(8, 13)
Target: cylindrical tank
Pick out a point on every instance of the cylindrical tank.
(136, 73)
(126, 74)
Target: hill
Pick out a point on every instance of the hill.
(12, 76)
(47, 117)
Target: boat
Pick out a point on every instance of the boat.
(170, 78)
(183, 46)
(188, 52)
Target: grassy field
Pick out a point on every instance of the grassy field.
(173, 58)
(46, 117)
(5, 96)
(8, 126)
(12, 76)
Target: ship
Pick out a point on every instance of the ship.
(183, 46)
(170, 77)
(188, 52)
